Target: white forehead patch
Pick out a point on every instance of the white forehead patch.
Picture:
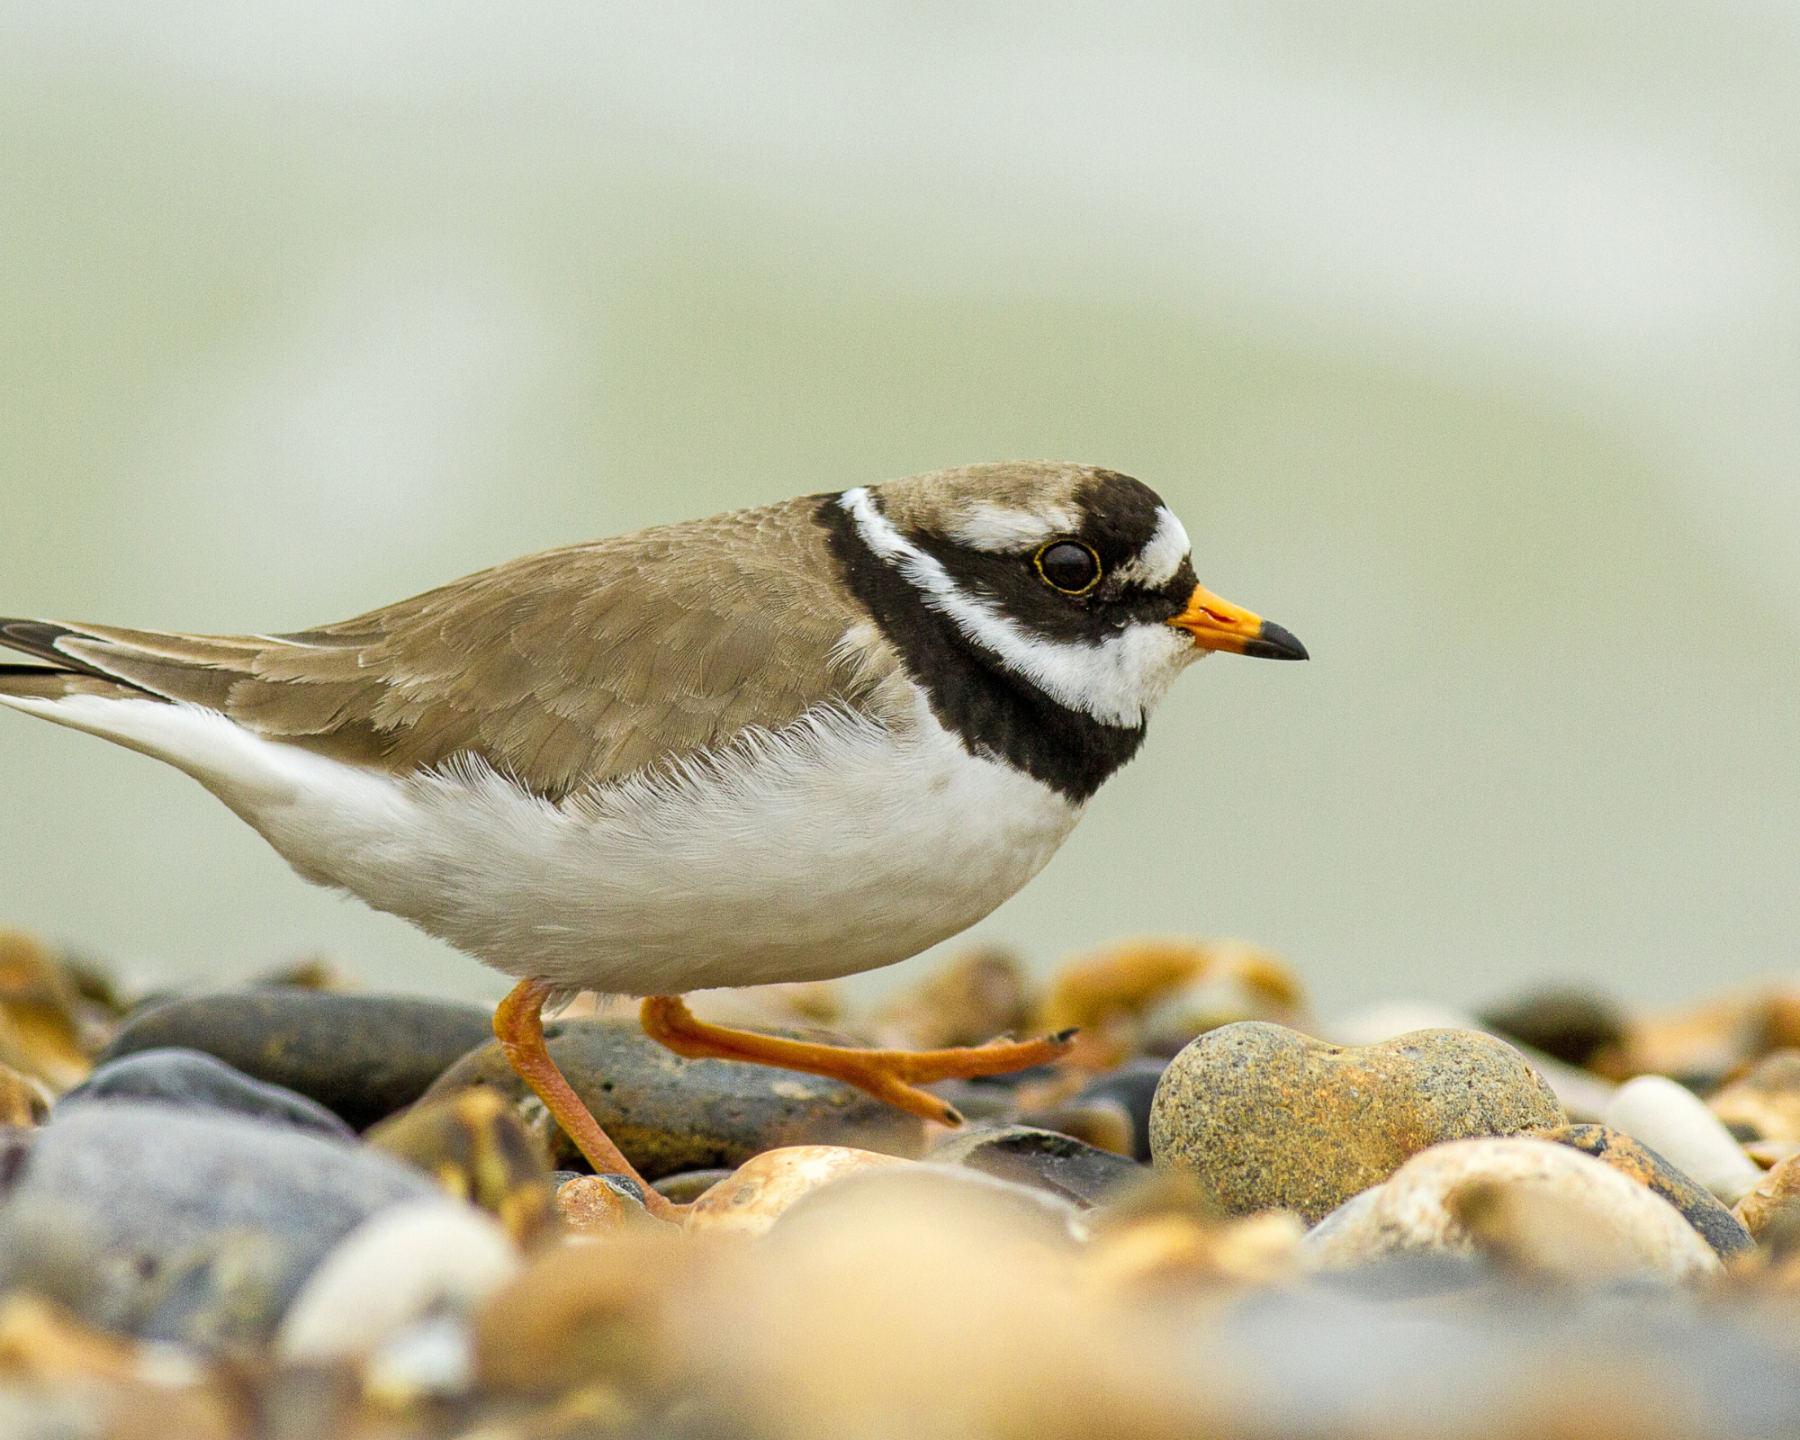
(1001, 530)
(1155, 565)
(1116, 680)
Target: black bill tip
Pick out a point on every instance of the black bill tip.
(1274, 643)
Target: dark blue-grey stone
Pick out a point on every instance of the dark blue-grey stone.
(196, 1226)
(1078, 1172)
(1132, 1085)
(194, 1080)
(362, 1056)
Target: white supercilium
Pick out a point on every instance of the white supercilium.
(1155, 565)
(1000, 530)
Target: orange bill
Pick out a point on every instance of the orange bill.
(1217, 624)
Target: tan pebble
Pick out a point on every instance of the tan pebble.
(42, 1034)
(590, 1206)
(133, 1393)
(311, 972)
(1769, 1153)
(1597, 1223)
(1774, 1191)
(751, 1200)
(23, 1100)
(930, 1301)
(40, 1341)
(476, 1147)
(1108, 993)
(1705, 1040)
(1766, 1100)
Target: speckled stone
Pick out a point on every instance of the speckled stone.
(361, 1056)
(1080, 1173)
(668, 1114)
(1267, 1118)
(1698, 1205)
(193, 1080)
(1591, 1221)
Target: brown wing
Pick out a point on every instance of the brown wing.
(562, 668)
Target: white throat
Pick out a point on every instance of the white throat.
(1117, 680)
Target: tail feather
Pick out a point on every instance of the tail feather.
(40, 682)
(63, 674)
(38, 638)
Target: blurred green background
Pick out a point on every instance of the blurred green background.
(1466, 340)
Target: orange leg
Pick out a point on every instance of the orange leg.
(890, 1075)
(519, 1025)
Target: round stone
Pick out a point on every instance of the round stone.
(1765, 1103)
(1266, 1118)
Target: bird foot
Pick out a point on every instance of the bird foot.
(891, 1075)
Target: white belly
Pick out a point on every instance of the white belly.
(832, 847)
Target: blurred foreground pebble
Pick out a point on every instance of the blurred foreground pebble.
(1403, 1236)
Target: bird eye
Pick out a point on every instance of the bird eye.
(1069, 566)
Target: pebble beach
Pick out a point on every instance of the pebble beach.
(299, 1209)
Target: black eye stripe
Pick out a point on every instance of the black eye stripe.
(1068, 566)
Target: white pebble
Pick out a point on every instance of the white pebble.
(1673, 1122)
(395, 1268)
(432, 1357)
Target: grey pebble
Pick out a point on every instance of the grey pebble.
(196, 1226)
(361, 1056)
(191, 1079)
